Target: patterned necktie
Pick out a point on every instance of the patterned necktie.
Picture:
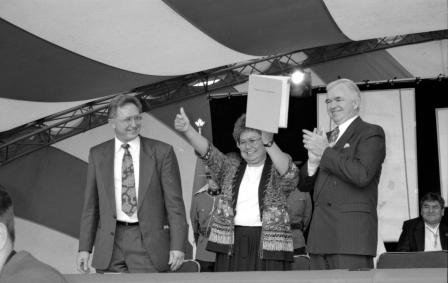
(128, 194)
(334, 135)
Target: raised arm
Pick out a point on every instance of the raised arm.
(279, 158)
(182, 124)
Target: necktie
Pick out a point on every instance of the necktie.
(128, 194)
(334, 135)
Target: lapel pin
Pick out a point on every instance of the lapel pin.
(347, 145)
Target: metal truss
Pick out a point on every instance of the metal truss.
(51, 129)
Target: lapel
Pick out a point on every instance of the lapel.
(346, 136)
(419, 234)
(147, 168)
(443, 234)
(106, 171)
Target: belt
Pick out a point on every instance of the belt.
(297, 226)
(123, 223)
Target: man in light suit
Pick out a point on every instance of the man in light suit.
(344, 168)
(428, 232)
(133, 212)
(19, 267)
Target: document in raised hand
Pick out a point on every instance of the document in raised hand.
(267, 102)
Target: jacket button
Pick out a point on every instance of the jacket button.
(329, 203)
(114, 216)
(112, 233)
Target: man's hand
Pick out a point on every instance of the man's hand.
(82, 262)
(176, 260)
(315, 142)
(181, 122)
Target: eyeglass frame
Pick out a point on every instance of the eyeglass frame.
(251, 142)
(136, 118)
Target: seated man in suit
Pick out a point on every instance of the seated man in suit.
(20, 267)
(428, 232)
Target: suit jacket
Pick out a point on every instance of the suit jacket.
(345, 195)
(23, 268)
(160, 208)
(412, 238)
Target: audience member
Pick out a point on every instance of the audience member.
(250, 229)
(133, 210)
(343, 168)
(427, 232)
(19, 267)
(202, 207)
(299, 210)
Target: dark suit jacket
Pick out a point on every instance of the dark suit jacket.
(412, 238)
(24, 268)
(160, 208)
(345, 196)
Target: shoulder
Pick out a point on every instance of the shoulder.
(371, 128)
(103, 146)
(23, 267)
(144, 141)
(412, 222)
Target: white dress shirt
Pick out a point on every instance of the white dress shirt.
(247, 206)
(432, 238)
(134, 150)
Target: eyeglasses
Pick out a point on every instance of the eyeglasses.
(251, 142)
(128, 120)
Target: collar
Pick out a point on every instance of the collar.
(433, 230)
(346, 124)
(11, 254)
(134, 144)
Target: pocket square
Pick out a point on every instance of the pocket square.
(347, 145)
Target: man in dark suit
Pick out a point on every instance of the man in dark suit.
(428, 232)
(133, 212)
(19, 267)
(344, 168)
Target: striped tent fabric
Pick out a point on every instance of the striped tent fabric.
(57, 54)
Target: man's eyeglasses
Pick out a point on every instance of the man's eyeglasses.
(251, 142)
(128, 120)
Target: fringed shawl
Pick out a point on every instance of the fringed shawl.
(276, 237)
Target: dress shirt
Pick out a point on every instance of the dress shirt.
(342, 128)
(247, 206)
(432, 238)
(134, 150)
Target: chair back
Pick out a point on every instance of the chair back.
(435, 259)
(301, 262)
(190, 265)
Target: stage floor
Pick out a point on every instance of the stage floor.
(420, 275)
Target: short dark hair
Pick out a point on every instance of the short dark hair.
(240, 127)
(120, 101)
(6, 212)
(432, 197)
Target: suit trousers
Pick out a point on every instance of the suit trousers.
(129, 254)
(340, 261)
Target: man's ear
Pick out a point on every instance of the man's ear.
(3, 235)
(111, 123)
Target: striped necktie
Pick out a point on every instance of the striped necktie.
(334, 135)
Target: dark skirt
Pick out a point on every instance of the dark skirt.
(246, 256)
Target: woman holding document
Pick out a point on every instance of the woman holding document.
(250, 227)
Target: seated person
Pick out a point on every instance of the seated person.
(299, 210)
(20, 267)
(428, 232)
(204, 202)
